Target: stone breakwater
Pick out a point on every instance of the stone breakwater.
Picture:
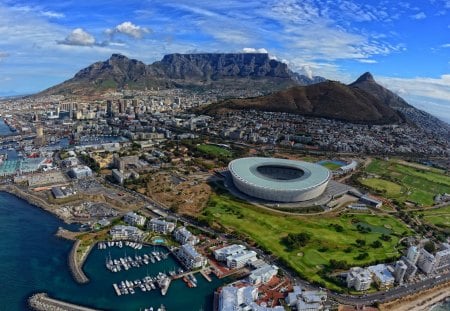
(41, 302)
(75, 265)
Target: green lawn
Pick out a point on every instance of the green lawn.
(439, 217)
(268, 229)
(384, 186)
(406, 183)
(214, 150)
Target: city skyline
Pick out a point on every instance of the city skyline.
(404, 44)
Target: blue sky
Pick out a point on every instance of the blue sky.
(405, 44)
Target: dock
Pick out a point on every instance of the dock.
(205, 275)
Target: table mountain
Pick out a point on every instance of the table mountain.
(199, 71)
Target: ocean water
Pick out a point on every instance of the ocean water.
(4, 129)
(33, 260)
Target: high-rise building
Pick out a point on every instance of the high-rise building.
(426, 261)
(413, 254)
(400, 271)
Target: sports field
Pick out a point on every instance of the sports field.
(330, 237)
(404, 181)
(214, 150)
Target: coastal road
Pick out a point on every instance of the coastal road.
(392, 294)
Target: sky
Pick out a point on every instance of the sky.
(404, 44)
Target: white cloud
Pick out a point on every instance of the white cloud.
(419, 16)
(253, 50)
(447, 45)
(3, 55)
(78, 37)
(129, 29)
(435, 88)
(367, 61)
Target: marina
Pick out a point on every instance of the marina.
(47, 270)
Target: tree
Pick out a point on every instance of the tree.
(376, 244)
(430, 247)
(297, 240)
(360, 242)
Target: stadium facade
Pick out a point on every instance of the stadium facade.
(279, 180)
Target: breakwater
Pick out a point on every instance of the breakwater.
(42, 302)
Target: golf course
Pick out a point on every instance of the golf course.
(349, 238)
(405, 182)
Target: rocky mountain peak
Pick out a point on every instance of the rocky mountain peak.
(365, 77)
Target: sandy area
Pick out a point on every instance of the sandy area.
(419, 302)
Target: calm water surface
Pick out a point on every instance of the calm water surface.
(33, 260)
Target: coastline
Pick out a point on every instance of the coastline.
(42, 302)
(420, 301)
(75, 266)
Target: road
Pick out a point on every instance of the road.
(368, 299)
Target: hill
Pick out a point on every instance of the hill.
(328, 99)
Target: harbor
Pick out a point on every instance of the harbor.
(161, 280)
(56, 280)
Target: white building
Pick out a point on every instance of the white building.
(359, 279)
(242, 299)
(239, 260)
(306, 300)
(400, 271)
(80, 172)
(413, 254)
(134, 219)
(426, 261)
(190, 257)
(120, 232)
(263, 275)
(161, 226)
(221, 254)
(442, 259)
(382, 276)
(183, 236)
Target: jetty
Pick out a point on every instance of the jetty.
(75, 266)
(42, 302)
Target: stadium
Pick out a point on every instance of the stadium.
(279, 180)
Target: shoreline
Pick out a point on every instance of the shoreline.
(420, 301)
(42, 302)
(75, 267)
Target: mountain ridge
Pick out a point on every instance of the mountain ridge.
(183, 70)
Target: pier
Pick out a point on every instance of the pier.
(42, 302)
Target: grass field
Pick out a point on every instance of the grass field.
(406, 182)
(214, 150)
(439, 217)
(268, 229)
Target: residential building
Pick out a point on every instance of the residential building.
(306, 300)
(242, 299)
(221, 254)
(263, 274)
(413, 254)
(239, 260)
(359, 279)
(184, 236)
(134, 219)
(161, 226)
(121, 232)
(411, 268)
(400, 271)
(382, 276)
(190, 258)
(426, 261)
(442, 259)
